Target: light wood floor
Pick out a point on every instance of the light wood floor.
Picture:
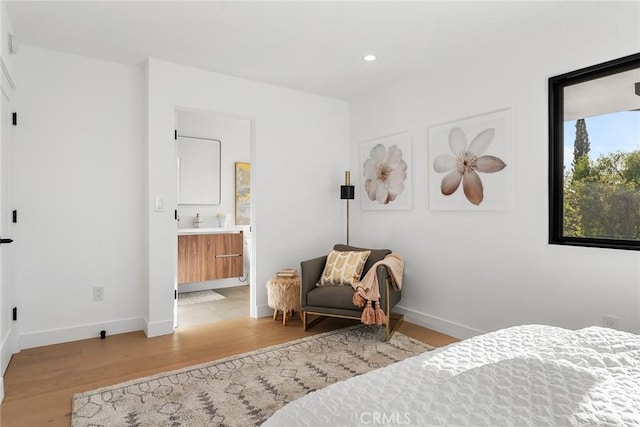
(40, 382)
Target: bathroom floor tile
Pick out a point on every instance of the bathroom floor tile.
(233, 306)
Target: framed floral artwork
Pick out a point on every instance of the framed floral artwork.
(470, 164)
(386, 173)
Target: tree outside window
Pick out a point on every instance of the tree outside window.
(602, 194)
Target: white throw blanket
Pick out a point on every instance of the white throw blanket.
(367, 291)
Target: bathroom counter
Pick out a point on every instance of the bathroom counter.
(208, 230)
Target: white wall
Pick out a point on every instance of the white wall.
(297, 158)
(472, 272)
(79, 192)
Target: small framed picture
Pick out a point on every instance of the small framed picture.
(243, 193)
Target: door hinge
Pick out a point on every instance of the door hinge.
(175, 134)
(175, 294)
(14, 216)
(14, 118)
(15, 313)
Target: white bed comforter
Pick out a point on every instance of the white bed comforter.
(521, 376)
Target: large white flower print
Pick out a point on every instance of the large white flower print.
(465, 163)
(385, 172)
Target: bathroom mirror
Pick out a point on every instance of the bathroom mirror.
(198, 171)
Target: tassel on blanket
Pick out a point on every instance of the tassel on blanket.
(381, 319)
(368, 315)
(358, 300)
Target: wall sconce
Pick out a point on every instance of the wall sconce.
(347, 192)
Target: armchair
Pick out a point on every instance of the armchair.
(335, 301)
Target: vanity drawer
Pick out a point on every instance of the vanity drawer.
(209, 256)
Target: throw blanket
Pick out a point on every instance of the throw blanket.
(367, 291)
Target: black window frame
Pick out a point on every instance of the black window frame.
(556, 150)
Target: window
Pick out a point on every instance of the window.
(594, 155)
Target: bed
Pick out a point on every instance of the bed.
(531, 375)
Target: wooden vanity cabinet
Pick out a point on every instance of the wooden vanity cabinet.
(189, 259)
(209, 256)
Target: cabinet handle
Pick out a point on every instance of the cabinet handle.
(228, 255)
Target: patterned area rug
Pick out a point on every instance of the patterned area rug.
(196, 297)
(243, 390)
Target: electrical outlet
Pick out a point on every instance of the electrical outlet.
(98, 293)
(610, 322)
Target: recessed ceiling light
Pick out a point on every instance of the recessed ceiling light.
(369, 58)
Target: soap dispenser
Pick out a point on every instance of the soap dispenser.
(197, 221)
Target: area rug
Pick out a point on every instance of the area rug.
(243, 390)
(197, 297)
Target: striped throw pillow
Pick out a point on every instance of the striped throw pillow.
(343, 268)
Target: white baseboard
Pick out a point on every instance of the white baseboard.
(1, 389)
(56, 336)
(443, 326)
(6, 349)
(264, 311)
(157, 329)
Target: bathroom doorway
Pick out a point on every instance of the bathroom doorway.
(212, 206)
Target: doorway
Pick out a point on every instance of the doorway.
(210, 291)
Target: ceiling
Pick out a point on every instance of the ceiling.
(315, 46)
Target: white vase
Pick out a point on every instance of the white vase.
(222, 222)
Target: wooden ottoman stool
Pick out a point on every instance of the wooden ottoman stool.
(283, 294)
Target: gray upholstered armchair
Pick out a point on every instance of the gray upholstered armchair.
(335, 301)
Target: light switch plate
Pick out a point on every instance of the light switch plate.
(159, 204)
